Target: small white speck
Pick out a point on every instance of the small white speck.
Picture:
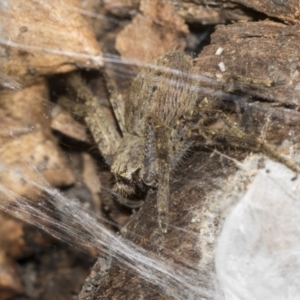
(221, 66)
(219, 51)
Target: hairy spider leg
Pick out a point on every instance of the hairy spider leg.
(236, 137)
(105, 136)
(115, 97)
(158, 167)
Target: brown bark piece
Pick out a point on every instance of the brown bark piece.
(121, 7)
(29, 152)
(27, 143)
(32, 157)
(63, 122)
(10, 283)
(286, 10)
(18, 239)
(258, 59)
(12, 244)
(41, 38)
(219, 13)
(158, 29)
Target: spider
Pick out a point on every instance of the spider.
(164, 118)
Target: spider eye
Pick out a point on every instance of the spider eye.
(154, 88)
(149, 179)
